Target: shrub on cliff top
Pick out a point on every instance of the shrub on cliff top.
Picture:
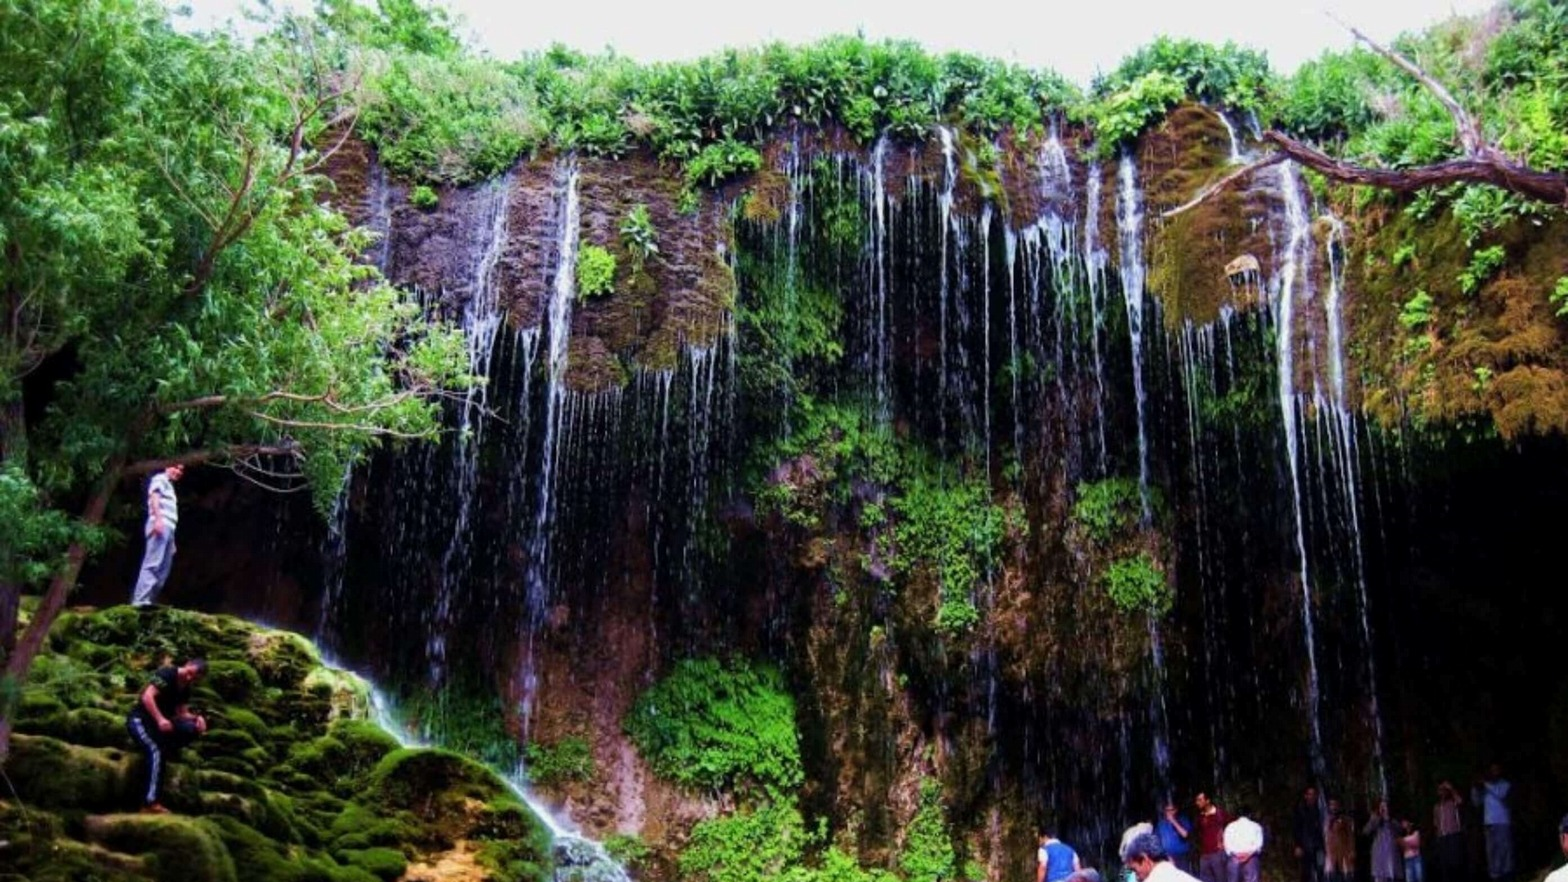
(715, 725)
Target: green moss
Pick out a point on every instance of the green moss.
(282, 659)
(233, 681)
(176, 849)
(269, 779)
(412, 777)
(54, 774)
(384, 863)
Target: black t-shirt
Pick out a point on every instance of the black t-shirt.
(169, 692)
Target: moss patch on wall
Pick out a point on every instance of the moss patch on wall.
(1189, 253)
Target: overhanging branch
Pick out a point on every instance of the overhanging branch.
(1491, 168)
(215, 454)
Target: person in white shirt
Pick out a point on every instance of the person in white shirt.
(1243, 841)
(163, 515)
(1561, 873)
(1491, 794)
(1145, 856)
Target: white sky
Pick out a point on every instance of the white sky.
(1076, 38)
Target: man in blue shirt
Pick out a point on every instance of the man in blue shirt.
(1175, 832)
(1056, 859)
(1491, 794)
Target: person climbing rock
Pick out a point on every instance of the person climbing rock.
(162, 723)
(163, 515)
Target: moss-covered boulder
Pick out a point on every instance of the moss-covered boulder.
(289, 783)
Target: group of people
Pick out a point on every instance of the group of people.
(1325, 836)
(1144, 853)
(1222, 847)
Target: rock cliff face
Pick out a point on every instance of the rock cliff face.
(1028, 489)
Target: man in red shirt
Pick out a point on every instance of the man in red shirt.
(1212, 863)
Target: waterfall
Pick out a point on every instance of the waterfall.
(877, 248)
(577, 858)
(1014, 360)
(481, 321)
(1235, 143)
(1292, 260)
(1343, 427)
(1129, 223)
(1095, 261)
(558, 323)
(945, 206)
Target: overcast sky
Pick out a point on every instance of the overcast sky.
(1076, 39)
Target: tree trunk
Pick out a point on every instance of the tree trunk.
(21, 658)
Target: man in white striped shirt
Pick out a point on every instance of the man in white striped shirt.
(163, 515)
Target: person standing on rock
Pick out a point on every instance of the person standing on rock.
(163, 515)
(162, 724)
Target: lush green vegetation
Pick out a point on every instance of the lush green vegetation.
(638, 236)
(1108, 508)
(928, 854)
(769, 844)
(1136, 584)
(932, 521)
(595, 271)
(717, 725)
(551, 765)
(175, 287)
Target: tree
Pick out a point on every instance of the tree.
(174, 290)
(1480, 160)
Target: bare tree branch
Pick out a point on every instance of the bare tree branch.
(215, 454)
(1482, 163)
(1494, 169)
(1470, 137)
(1222, 183)
(380, 431)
